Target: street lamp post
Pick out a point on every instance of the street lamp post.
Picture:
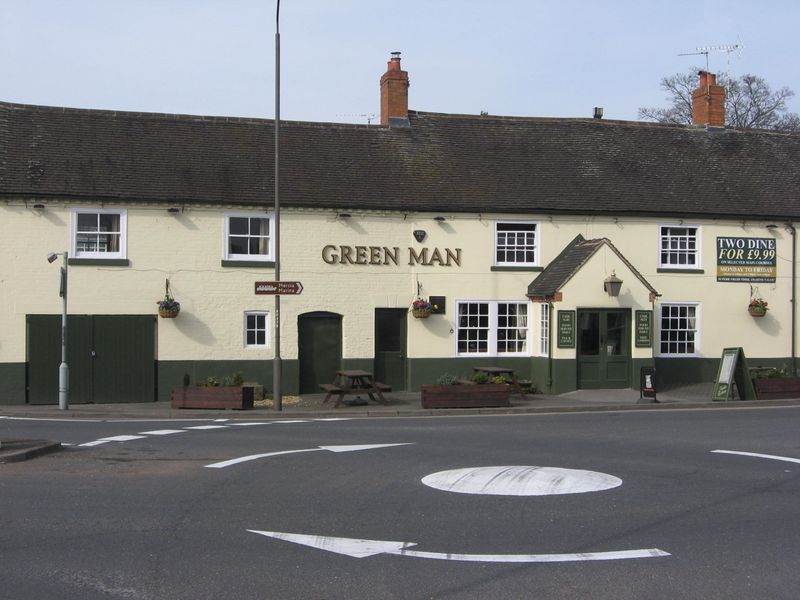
(63, 369)
(276, 363)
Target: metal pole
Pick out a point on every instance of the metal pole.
(793, 231)
(63, 369)
(276, 363)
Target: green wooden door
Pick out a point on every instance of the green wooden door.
(319, 352)
(123, 355)
(110, 358)
(604, 356)
(390, 346)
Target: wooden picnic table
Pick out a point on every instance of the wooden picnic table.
(505, 372)
(355, 381)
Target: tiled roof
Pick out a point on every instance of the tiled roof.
(441, 162)
(567, 264)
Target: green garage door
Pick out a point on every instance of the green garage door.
(111, 358)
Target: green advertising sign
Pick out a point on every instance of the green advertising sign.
(746, 259)
(644, 328)
(733, 370)
(566, 328)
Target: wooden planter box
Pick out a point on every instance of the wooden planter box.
(193, 396)
(773, 388)
(466, 396)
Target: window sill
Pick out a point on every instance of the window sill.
(259, 264)
(681, 270)
(100, 262)
(521, 269)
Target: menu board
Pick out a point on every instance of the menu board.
(644, 328)
(566, 328)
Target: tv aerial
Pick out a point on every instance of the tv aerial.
(706, 50)
(369, 117)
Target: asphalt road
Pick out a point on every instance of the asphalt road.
(146, 518)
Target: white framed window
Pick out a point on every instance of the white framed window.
(544, 329)
(516, 243)
(256, 329)
(679, 247)
(249, 236)
(98, 233)
(492, 328)
(679, 329)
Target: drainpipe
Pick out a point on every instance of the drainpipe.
(550, 348)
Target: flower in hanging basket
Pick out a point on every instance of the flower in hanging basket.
(168, 308)
(758, 307)
(421, 308)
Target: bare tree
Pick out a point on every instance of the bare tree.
(750, 102)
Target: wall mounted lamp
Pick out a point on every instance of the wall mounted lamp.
(173, 210)
(343, 215)
(38, 206)
(612, 284)
(440, 219)
(771, 226)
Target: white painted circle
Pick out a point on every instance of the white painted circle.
(520, 481)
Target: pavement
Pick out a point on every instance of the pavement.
(399, 404)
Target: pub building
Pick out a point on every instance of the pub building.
(574, 250)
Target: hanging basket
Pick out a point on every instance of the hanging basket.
(421, 313)
(169, 313)
(757, 312)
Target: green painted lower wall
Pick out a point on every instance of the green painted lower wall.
(549, 377)
(12, 383)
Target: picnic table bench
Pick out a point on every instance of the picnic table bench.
(354, 382)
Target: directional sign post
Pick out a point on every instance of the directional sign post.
(279, 288)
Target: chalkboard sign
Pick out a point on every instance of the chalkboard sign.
(644, 328)
(733, 369)
(566, 328)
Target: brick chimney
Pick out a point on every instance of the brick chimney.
(394, 94)
(708, 102)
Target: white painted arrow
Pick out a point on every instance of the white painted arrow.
(236, 461)
(359, 548)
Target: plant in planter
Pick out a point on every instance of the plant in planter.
(757, 307)
(450, 393)
(421, 308)
(215, 392)
(168, 308)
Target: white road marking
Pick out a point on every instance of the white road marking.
(221, 420)
(291, 421)
(94, 443)
(242, 459)
(335, 419)
(520, 481)
(162, 431)
(121, 438)
(207, 427)
(360, 548)
(757, 455)
(248, 424)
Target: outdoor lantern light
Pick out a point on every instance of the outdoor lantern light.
(612, 284)
(440, 219)
(63, 369)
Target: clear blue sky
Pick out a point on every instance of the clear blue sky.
(528, 57)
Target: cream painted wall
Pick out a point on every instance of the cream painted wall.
(188, 248)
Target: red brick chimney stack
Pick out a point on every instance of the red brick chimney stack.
(394, 92)
(708, 102)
